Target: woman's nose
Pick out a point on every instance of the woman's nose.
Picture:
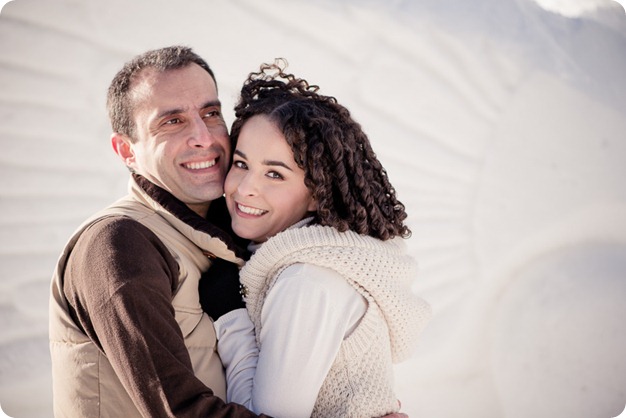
(247, 186)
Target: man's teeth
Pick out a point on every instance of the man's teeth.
(200, 165)
(250, 211)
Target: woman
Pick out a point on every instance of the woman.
(328, 285)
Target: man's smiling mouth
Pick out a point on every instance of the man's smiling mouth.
(200, 165)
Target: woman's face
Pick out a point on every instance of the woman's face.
(265, 190)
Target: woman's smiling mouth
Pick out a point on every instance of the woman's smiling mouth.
(250, 210)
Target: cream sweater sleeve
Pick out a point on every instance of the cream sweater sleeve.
(306, 316)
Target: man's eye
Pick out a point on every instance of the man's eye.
(172, 121)
(212, 113)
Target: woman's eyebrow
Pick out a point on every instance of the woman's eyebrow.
(276, 163)
(265, 162)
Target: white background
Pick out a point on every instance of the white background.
(501, 124)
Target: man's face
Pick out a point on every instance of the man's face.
(181, 142)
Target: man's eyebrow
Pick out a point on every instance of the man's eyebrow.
(175, 111)
(212, 103)
(169, 112)
(265, 162)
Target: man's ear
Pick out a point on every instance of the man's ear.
(123, 148)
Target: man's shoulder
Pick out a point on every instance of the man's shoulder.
(117, 222)
(122, 244)
(117, 230)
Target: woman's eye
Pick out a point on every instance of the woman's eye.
(274, 175)
(240, 164)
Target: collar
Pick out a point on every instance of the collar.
(254, 246)
(217, 224)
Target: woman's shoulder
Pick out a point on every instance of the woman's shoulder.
(312, 273)
(323, 282)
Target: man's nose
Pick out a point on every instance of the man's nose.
(200, 136)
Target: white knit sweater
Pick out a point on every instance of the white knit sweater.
(360, 381)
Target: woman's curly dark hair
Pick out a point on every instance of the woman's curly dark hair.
(342, 171)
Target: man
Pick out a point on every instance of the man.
(128, 337)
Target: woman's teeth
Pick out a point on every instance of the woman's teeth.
(250, 211)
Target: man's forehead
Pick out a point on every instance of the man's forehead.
(177, 88)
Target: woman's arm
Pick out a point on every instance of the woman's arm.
(305, 318)
(239, 354)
